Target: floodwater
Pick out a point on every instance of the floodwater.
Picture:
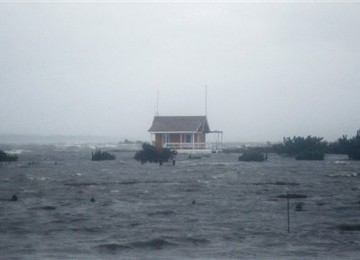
(215, 207)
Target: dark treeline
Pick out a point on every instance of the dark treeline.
(309, 148)
(343, 145)
(305, 148)
(314, 148)
(150, 153)
(4, 157)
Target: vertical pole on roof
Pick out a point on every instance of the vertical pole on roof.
(205, 100)
(157, 103)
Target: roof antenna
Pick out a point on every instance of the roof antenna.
(157, 103)
(205, 100)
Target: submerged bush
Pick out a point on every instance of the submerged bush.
(100, 156)
(233, 150)
(309, 148)
(345, 145)
(310, 155)
(349, 227)
(4, 157)
(253, 156)
(150, 153)
(353, 150)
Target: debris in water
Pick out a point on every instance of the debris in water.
(299, 206)
(292, 196)
(14, 198)
(135, 224)
(48, 208)
(349, 227)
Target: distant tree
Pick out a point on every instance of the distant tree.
(150, 153)
(278, 148)
(340, 146)
(4, 157)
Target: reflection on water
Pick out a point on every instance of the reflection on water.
(215, 207)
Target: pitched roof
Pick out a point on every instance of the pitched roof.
(180, 124)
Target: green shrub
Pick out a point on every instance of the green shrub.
(100, 156)
(150, 153)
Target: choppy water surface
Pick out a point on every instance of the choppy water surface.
(147, 211)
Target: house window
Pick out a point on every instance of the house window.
(187, 138)
(166, 138)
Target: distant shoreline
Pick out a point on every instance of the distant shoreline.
(79, 139)
(54, 139)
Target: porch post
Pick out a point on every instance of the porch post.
(193, 141)
(222, 140)
(180, 141)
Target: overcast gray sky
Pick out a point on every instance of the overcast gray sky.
(272, 69)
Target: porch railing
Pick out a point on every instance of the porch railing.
(194, 146)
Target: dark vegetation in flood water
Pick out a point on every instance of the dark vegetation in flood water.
(150, 153)
(314, 148)
(4, 157)
(101, 156)
(292, 196)
(306, 148)
(349, 227)
(343, 145)
(309, 148)
(311, 155)
(253, 156)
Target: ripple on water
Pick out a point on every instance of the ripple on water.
(112, 247)
(156, 243)
(194, 240)
(146, 210)
(162, 213)
(45, 208)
